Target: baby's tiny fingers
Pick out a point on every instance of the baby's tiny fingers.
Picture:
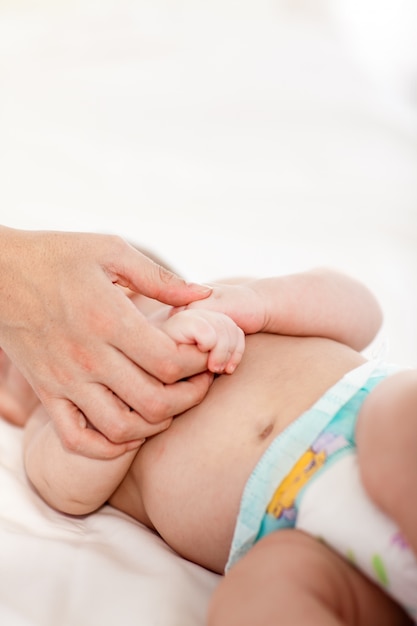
(228, 350)
(237, 355)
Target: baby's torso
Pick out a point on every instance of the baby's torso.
(188, 481)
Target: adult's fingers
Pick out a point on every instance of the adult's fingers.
(155, 403)
(133, 269)
(117, 428)
(75, 435)
(78, 436)
(147, 346)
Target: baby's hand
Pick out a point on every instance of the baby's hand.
(212, 332)
(241, 302)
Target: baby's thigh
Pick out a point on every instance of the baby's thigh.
(386, 435)
(290, 578)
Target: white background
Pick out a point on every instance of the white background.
(231, 137)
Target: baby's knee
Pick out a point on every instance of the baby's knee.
(386, 437)
(291, 578)
(285, 575)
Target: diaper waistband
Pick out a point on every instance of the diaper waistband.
(286, 449)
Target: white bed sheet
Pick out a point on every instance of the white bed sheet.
(232, 138)
(102, 569)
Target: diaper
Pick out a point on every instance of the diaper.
(336, 509)
(308, 479)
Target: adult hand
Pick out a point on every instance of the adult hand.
(104, 374)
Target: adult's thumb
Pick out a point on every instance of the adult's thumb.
(148, 277)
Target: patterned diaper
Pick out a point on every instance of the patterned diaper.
(314, 464)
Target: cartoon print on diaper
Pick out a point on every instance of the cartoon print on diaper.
(378, 565)
(283, 503)
(400, 541)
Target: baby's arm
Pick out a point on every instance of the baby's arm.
(321, 302)
(67, 481)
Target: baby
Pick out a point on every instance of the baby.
(306, 438)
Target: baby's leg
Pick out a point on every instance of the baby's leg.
(387, 450)
(290, 578)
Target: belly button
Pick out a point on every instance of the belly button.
(266, 432)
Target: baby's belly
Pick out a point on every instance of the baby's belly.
(191, 477)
